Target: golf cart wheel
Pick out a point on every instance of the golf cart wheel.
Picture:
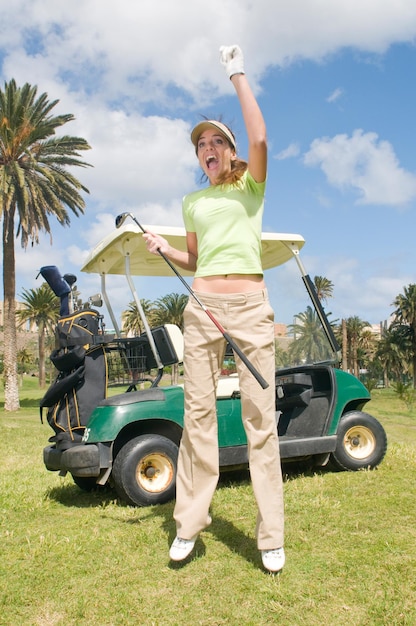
(361, 442)
(144, 471)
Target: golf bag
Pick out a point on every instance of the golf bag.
(80, 358)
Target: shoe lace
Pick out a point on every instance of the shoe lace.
(277, 552)
(182, 543)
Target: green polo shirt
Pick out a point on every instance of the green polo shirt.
(227, 220)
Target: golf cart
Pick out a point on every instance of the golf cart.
(131, 439)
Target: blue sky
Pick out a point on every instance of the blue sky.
(336, 82)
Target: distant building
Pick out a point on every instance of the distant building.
(32, 328)
(280, 330)
(378, 329)
(281, 336)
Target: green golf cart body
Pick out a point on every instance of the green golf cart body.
(131, 439)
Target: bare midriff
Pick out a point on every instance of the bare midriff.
(229, 283)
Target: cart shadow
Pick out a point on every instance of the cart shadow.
(223, 530)
(71, 496)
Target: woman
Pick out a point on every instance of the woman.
(223, 226)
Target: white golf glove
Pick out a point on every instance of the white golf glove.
(232, 59)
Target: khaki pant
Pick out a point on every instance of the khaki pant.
(249, 320)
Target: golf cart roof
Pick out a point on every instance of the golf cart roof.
(108, 256)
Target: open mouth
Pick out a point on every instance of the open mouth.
(211, 161)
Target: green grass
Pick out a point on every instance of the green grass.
(69, 558)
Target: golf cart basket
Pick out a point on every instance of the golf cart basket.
(126, 362)
(130, 360)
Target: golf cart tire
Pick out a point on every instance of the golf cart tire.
(144, 471)
(361, 442)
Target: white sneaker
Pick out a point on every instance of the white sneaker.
(273, 560)
(181, 548)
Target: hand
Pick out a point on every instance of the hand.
(232, 59)
(155, 243)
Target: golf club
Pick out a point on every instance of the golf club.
(120, 219)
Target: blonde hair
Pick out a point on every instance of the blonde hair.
(238, 167)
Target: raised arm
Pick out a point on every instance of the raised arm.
(233, 61)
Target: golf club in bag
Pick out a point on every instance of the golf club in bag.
(120, 219)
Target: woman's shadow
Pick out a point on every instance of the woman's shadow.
(224, 530)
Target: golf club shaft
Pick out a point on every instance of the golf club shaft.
(237, 350)
(262, 382)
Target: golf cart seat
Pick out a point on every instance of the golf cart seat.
(293, 390)
(176, 340)
(169, 343)
(228, 386)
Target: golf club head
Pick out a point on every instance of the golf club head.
(71, 279)
(95, 300)
(120, 219)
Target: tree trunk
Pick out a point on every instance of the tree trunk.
(355, 359)
(344, 346)
(42, 360)
(175, 373)
(11, 381)
(414, 370)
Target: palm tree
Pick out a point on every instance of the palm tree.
(34, 184)
(367, 347)
(405, 315)
(392, 352)
(324, 287)
(170, 308)
(132, 322)
(310, 344)
(24, 358)
(282, 357)
(355, 327)
(344, 344)
(41, 307)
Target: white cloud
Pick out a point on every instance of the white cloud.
(136, 158)
(29, 262)
(137, 74)
(335, 95)
(368, 297)
(356, 292)
(108, 67)
(362, 291)
(366, 164)
(146, 50)
(293, 150)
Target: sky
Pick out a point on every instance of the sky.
(335, 80)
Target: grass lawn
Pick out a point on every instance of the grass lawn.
(70, 558)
